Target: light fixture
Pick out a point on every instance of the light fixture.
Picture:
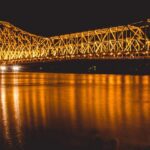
(15, 68)
(3, 68)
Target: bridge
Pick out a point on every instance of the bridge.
(130, 41)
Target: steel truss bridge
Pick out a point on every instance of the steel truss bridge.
(130, 41)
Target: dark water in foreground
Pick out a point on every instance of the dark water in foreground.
(73, 111)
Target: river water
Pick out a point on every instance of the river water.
(74, 111)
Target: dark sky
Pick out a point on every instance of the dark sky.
(52, 17)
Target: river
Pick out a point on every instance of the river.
(70, 111)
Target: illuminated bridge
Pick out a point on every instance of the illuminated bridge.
(127, 42)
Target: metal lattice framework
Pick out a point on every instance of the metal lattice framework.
(129, 41)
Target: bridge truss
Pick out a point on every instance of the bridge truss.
(121, 42)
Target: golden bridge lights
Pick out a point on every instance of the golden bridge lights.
(14, 68)
(127, 41)
(3, 68)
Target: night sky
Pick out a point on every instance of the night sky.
(55, 17)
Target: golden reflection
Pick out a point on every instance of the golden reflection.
(16, 109)
(114, 104)
(4, 111)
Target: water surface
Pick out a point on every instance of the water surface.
(70, 111)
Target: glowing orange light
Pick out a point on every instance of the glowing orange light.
(3, 68)
(16, 68)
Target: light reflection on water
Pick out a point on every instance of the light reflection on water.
(116, 106)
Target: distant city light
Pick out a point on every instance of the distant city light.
(3, 68)
(15, 68)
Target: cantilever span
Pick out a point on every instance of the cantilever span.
(121, 42)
